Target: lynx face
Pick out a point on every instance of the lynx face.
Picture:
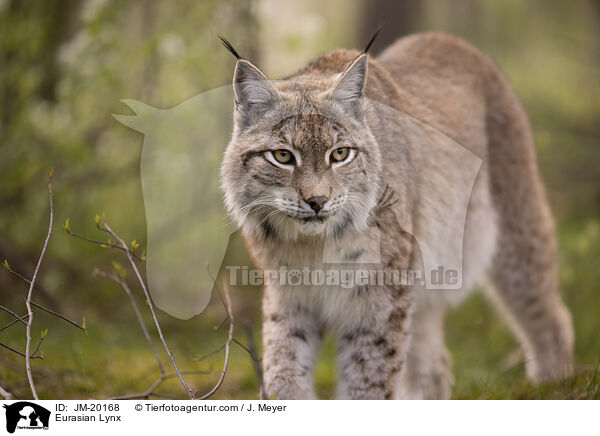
(302, 160)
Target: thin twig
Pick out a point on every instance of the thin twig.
(103, 243)
(246, 349)
(6, 309)
(207, 355)
(150, 391)
(150, 305)
(138, 314)
(8, 347)
(145, 394)
(220, 347)
(218, 326)
(38, 347)
(227, 304)
(262, 394)
(14, 322)
(12, 271)
(29, 294)
(45, 309)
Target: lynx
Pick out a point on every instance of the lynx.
(319, 160)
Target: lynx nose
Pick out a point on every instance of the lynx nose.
(316, 202)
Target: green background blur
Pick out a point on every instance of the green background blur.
(66, 64)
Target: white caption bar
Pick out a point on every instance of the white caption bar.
(299, 417)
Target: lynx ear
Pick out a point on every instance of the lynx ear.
(351, 86)
(253, 91)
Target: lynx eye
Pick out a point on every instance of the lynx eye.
(283, 156)
(340, 154)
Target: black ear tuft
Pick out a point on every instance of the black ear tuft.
(229, 47)
(372, 40)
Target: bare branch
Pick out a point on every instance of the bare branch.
(45, 309)
(226, 301)
(218, 326)
(246, 349)
(12, 271)
(150, 391)
(138, 314)
(38, 346)
(150, 305)
(29, 294)
(227, 304)
(8, 347)
(14, 322)
(220, 347)
(6, 309)
(207, 355)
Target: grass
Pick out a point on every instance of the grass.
(113, 359)
(481, 344)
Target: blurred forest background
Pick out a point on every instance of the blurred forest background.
(66, 64)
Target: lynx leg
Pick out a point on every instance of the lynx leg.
(372, 352)
(290, 344)
(428, 372)
(524, 285)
